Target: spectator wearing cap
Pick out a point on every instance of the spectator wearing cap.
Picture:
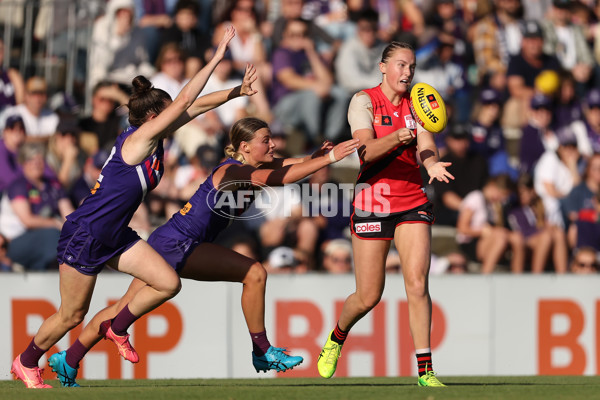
(40, 122)
(497, 37)
(588, 129)
(337, 257)
(12, 85)
(33, 210)
(64, 155)
(537, 135)
(556, 173)
(100, 129)
(11, 140)
(487, 135)
(523, 68)
(283, 260)
(567, 41)
(468, 167)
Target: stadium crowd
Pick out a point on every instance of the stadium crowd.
(521, 80)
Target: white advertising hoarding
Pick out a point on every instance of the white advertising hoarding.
(482, 325)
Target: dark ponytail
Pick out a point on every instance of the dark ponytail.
(145, 100)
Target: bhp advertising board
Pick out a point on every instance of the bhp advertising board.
(499, 325)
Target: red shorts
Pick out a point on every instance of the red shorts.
(372, 226)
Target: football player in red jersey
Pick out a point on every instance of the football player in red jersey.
(390, 204)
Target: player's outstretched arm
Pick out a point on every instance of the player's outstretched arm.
(429, 156)
(290, 173)
(325, 148)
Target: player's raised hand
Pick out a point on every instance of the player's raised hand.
(343, 150)
(227, 36)
(405, 135)
(438, 171)
(250, 77)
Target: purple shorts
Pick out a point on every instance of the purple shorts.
(80, 250)
(174, 248)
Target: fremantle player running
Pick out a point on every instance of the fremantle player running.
(97, 233)
(185, 240)
(392, 207)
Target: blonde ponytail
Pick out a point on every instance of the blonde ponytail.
(231, 153)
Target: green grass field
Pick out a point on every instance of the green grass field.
(534, 387)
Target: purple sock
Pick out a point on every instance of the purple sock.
(31, 356)
(75, 353)
(123, 321)
(260, 343)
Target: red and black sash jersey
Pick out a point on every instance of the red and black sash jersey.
(393, 182)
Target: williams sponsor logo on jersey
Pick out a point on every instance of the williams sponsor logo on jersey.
(367, 227)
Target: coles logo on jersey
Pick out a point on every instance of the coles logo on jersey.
(409, 122)
(382, 120)
(367, 227)
(432, 101)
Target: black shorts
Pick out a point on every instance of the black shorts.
(375, 226)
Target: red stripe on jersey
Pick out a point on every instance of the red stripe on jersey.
(150, 173)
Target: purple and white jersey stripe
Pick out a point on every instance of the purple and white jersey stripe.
(119, 191)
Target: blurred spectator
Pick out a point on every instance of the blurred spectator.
(487, 136)
(90, 174)
(100, 129)
(469, 169)
(357, 63)
(497, 37)
(186, 33)
(247, 45)
(537, 135)
(587, 131)
(118, 50)
(541, 237)
(245, 245)
(332, 16)
(568, 105)
(11, 140)
(392, 262)
(153, 17)
(12, 86)
(170, 65)
(189, 177)
(523, 68)
(454, 262)
(64, 156)
(481, 229)
(567, 41)
(223, 77)
(337, 257)
(448, 77)
(585, 261)
(247, 48)
(579, 203)
(5, 261)
(556, 173)
(303, 90)
(283, 260)
(587, 226)
(290, 10)
(40, 122)
(33, 210)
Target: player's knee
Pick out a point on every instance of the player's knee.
(73, 318)
(256, 276)
(171, 287)
(415, 285)
(368, 302)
